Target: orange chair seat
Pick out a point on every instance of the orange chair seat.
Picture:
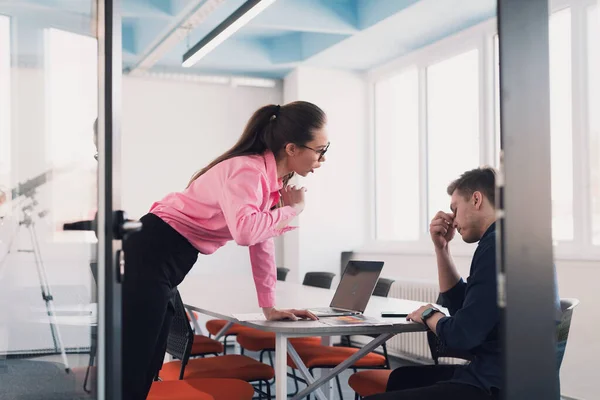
(230, 366)
(368, 383)
(205, 345)
(329, 356)
(257, 340)
(215, 325)
(176, 390)
(217, 389)
(188, 315)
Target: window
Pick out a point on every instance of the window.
(5, 109)
(497, 100)
(456, 111)
(560, 122)
(561, 132)
(593, 37)
(72, 102)
(397, 149)
(452, 124)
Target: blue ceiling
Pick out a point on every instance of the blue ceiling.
(348, 34)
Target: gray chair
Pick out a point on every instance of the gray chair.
(282, 273)
(562, 330)
(318, 279)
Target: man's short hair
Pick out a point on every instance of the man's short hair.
(476, 180)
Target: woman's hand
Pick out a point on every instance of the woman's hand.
(273, 314)
(293, 197)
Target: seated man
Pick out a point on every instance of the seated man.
(475, 317)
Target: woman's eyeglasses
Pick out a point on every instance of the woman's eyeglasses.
(320, 152)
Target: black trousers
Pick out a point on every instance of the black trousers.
(156, 261)
(424, 383)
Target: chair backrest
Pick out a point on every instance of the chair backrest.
(181, 335)
(562, 329)
(382, 289)
(282, 273)
(318, 279)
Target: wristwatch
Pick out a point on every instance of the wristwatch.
(428, 313)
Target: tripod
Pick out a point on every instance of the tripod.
(29, 222)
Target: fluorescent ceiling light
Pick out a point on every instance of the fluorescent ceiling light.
(231, 25)
(195, 13)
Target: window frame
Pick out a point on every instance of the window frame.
(481, 37)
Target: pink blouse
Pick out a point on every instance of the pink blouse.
(234, 200)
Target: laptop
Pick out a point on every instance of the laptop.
(354, 291)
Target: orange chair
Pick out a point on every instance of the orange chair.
(368, 383)
(203, 346)
(330, 357)
(179, 345)
(214, 326)
(201, 389)
(262, 341)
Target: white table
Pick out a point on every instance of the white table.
(222, 296)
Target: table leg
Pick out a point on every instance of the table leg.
(327, 341)
(341, 367)
(281, 366)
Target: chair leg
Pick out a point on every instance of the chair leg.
(346, 341)
(270, 358)
(356, 396)
(268, 391)
(272, 365)
(385, 354)
(241, 350)
(339, 386)
(225, 344)
(295, 383)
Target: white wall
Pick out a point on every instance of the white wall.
(335, 217)
(170, 130)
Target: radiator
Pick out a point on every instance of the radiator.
(413, 346)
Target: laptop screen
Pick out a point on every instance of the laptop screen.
(357, 285)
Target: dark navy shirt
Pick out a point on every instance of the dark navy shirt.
(475, 318)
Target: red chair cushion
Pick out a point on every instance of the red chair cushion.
(329, 356)
(205, 345)
(176, 390)
(215, 325)
(368, 383)
(229, 366)
(257, 340)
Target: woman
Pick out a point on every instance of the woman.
(243, 196)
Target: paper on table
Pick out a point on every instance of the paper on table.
(353, 320)
(250, 317)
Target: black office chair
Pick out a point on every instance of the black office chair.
(179, 346)
(318, 279)
(282, 273)
(382, 289)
